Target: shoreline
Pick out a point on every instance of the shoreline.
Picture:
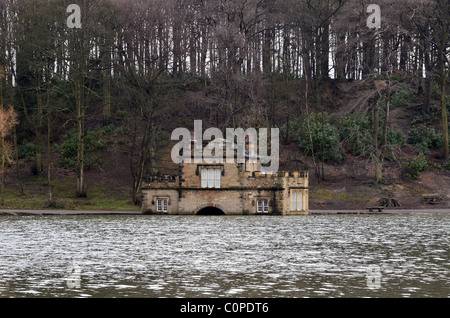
(385, 211)
(27, 212)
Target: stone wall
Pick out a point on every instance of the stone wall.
(229, 201)
(150, 196)
(238, 192)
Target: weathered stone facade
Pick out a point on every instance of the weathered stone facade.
(226, 188)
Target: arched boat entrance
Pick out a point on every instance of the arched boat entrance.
(210, 210)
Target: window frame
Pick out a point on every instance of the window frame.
(162, 204)
(294, 198)
(211, 177)
(262, 205)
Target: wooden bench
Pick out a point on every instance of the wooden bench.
(372, 208)
(431, 198)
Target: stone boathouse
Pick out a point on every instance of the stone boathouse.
(226, 188)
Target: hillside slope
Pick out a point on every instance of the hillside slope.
(345, 185)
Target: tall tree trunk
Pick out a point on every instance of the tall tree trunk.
(49, 179)
(306, 37)
(287, 56)
(444, 116)
(419, 59)
(267, 46)
(379, 153)
(204, 52)
(2, 140)
(105, 56)
(376, 156)
(16, 155)
(426, 107)
(443, 75)
(192, 52)
(143, 158)
(368, 55)
(442, 49)
(81, 190)
(405, 48)
(38, 131)
(106, 95)
(387, 114)
(340, 65)
(2, 167)
(316, 167)
(325, 49)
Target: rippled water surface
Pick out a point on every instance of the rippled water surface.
(225, 256)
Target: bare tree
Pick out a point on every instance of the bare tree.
(8, 119)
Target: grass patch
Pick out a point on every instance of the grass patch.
(338, 197)
(100, 197)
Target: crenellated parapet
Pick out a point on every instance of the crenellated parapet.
(228, 187)
(280, 179)
(161, 182)
(296, 179)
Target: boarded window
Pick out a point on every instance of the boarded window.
(204, 178)
(293, 201)
(217, 178)
(299, 201)
(296, 201)
(210, 178)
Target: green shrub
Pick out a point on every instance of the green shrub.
(162, 137)
(413, 168)
(27, 150)
(93, 143)
(290, 129)
(447, 165)
(357, 132)
(69, 150)
(121, 131)
(402, 97)
(422, 148)
(424, 138)
(327, 145)
(395, 138)
(54, 205)
(105, 130)
(435, 90)
(123, 114)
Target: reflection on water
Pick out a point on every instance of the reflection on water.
(225, 256)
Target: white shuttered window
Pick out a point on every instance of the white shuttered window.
(204, 178)
(217, 178)
(211, 177)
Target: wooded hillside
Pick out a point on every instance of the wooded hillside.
(102, 98)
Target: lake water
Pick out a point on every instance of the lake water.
(225, 256)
